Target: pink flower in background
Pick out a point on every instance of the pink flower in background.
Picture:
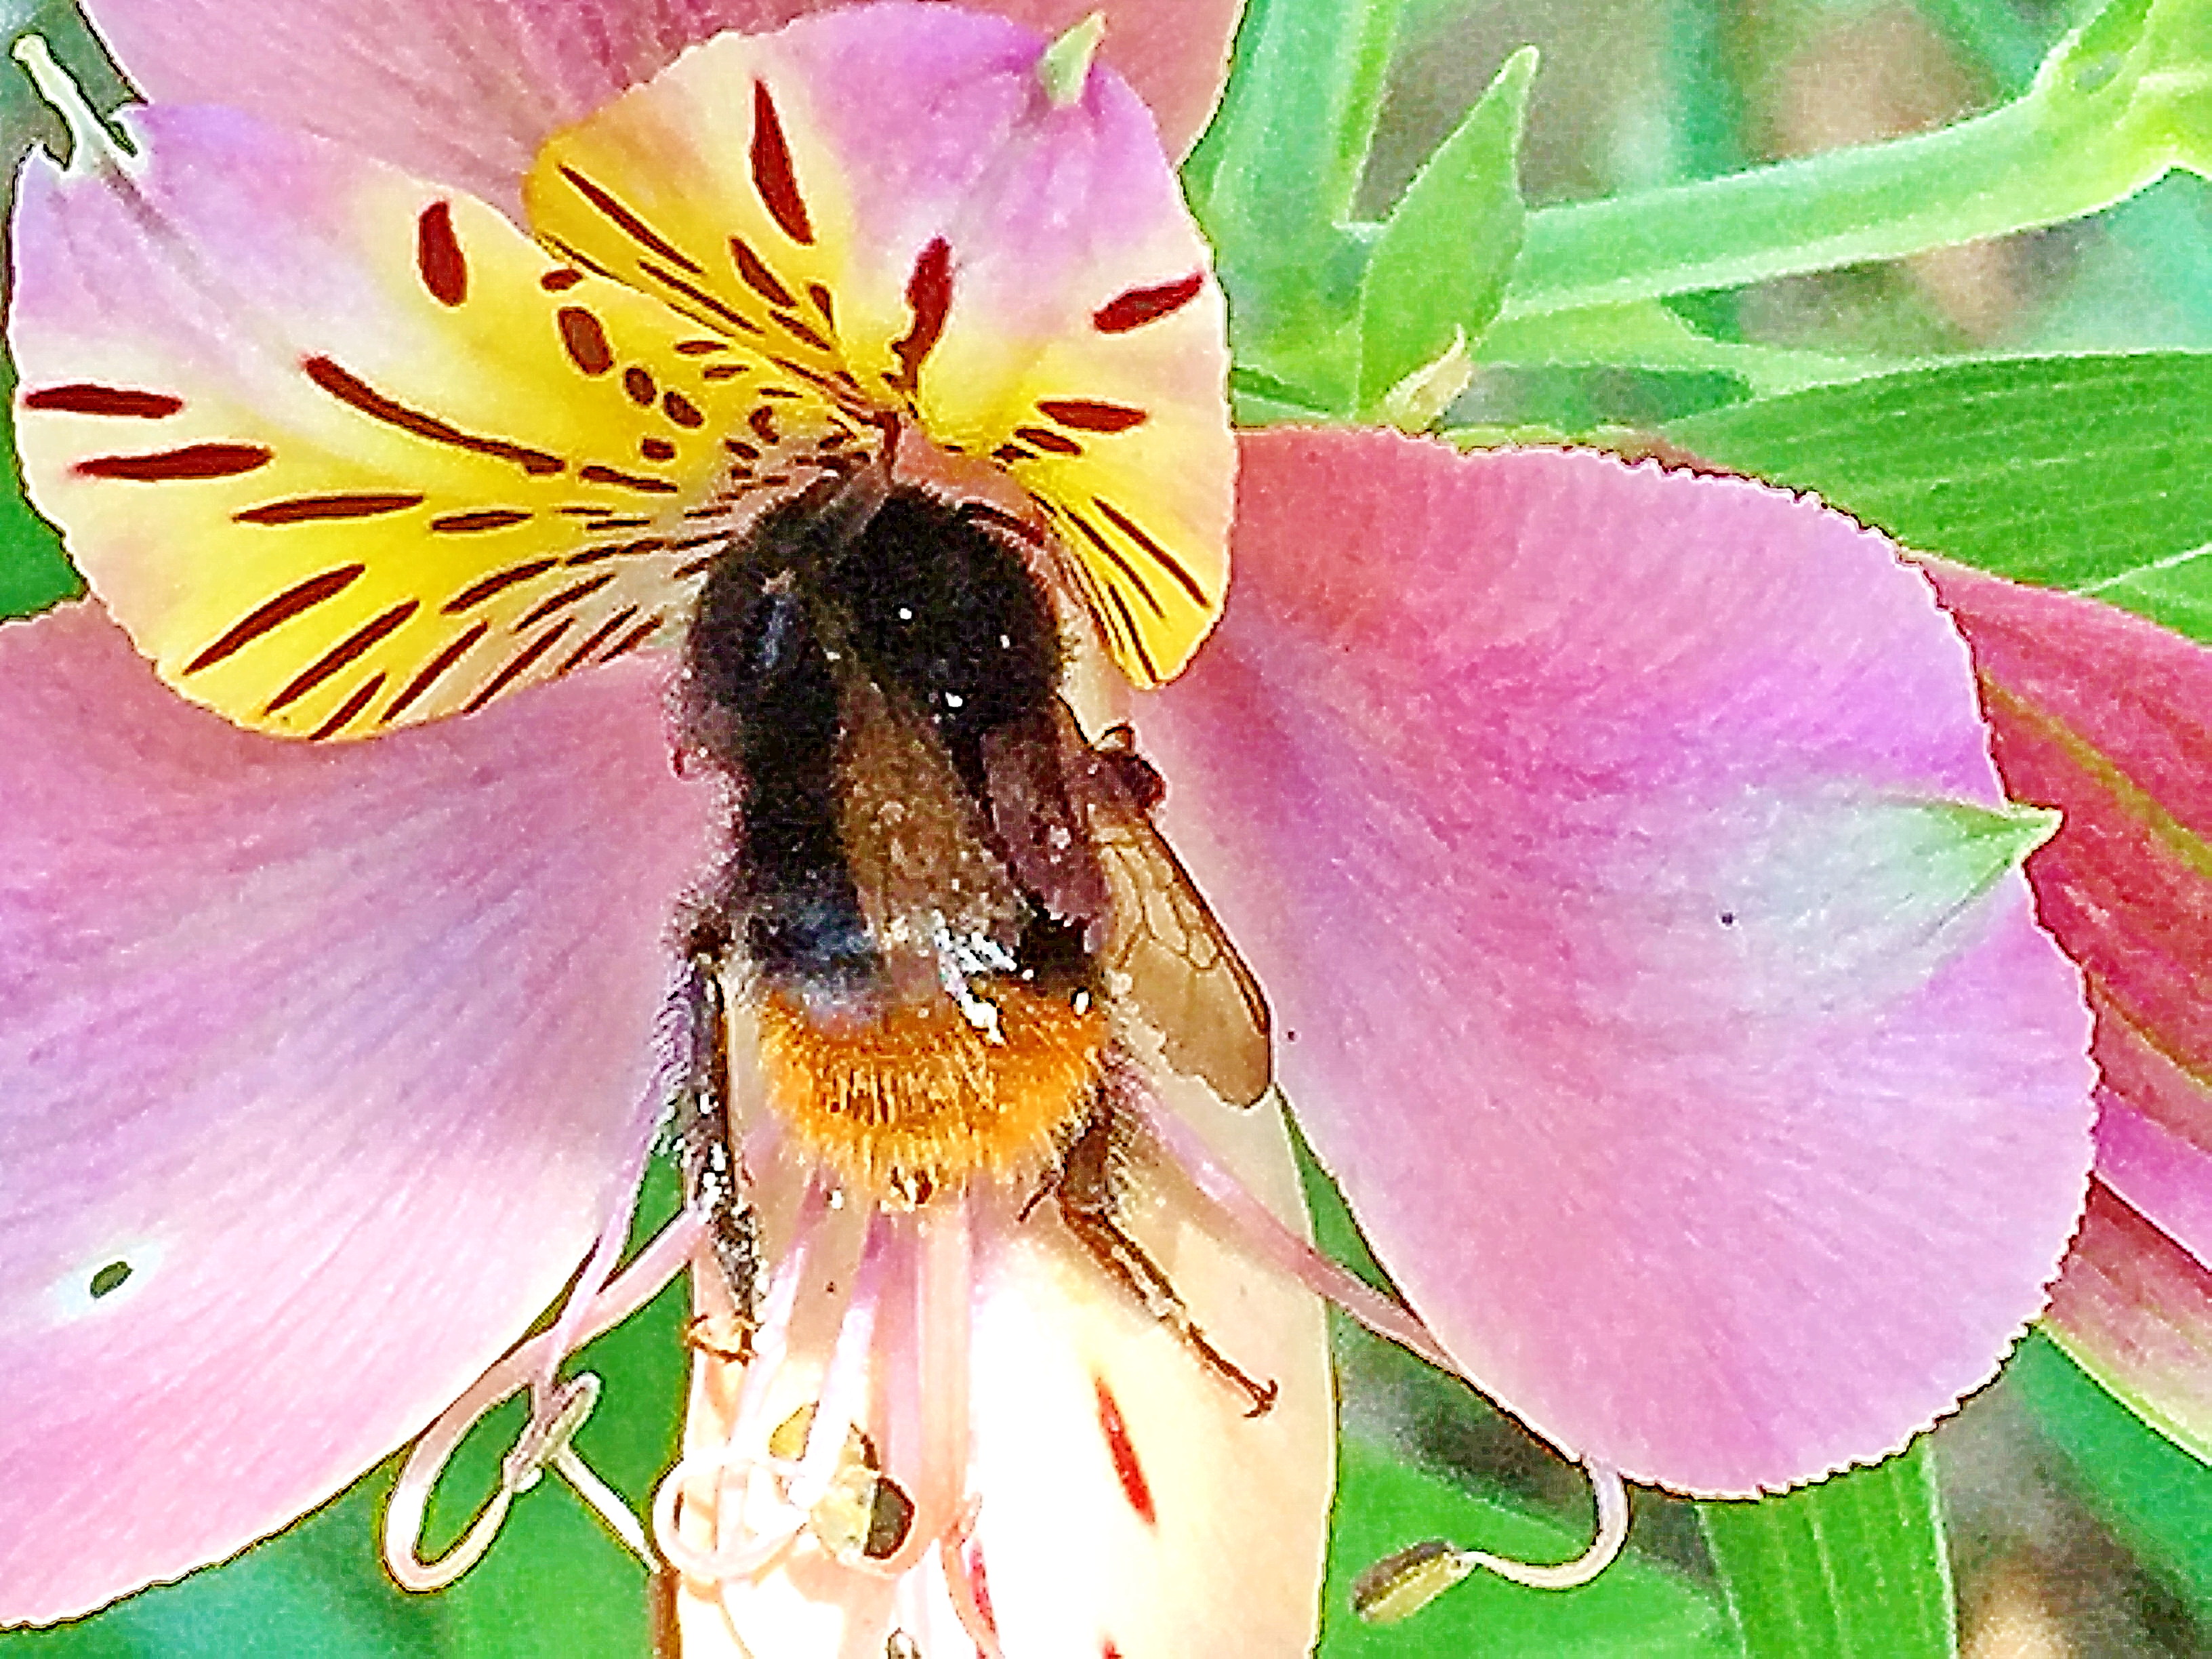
(1620, 850)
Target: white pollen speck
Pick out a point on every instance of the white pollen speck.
(1005, 643)
(906, 613)
(954, 700)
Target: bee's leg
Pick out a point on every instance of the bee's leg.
(712, 1183)
(1085, 1193)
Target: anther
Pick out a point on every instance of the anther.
(1399, 1586)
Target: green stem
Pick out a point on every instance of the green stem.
(2013, 169)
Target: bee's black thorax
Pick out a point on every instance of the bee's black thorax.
(828, 637)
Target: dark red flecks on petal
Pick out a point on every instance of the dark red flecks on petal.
(345, 651)
(1159, 554)
(498, 582)
(607, 475)
(192, 461)
(357, 394)
(514, 671)
(438, 255)
(559, 281)
(1139, 306)
(1087, 415)
(1123, 1453)
(467, 524)
(585, 339)
(929, 298)
(431, 672)
(1053, 443)
(771, 172)
(638, 383)
(292, 602)
(758, 278)
(628, 223)
(681, 410)
(656, 449)
(311, 509)
(363, 695)
(82, 400)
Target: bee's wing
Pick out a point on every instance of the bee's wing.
(1182, 973)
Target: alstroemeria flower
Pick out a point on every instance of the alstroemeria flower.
(1620, 850)
(2109, 718)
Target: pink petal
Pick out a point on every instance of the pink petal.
(2136, 1310)
(2109, 718)
(337, 1050)
(465, 90)
(1622, 855)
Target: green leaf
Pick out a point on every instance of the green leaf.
(1852, 1567)
(1437, 272)
(2112, 107)
(2153, 1492)
(1648, 336)
(2092, 474)
(1273, 182)
(1636, 1608)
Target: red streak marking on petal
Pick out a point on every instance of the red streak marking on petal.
(722, 371)
(193, 461)
(800, 331)
(1161, 556)
(599, 636)
(1109, 1651)
(637, 637)
(310, 509)
(763, 423)
(681, 410)
(823, 303)
(1139, 306)
(477, 592)
(566, 597)
(584, 337)
(743, 452)
(638, 383)
(772, 173)
(607, 475)
(628, 223)
(436, 666)
(929, 297)
(352, 706)
(1087, 416)
(515, 669)
(84, 399)
(758, 278)
(700, 348)
(1112, 554)
(618, 551)
(1136, 640)
(438, 255)
(656, 449)
(1127, 1470)
(345, 651)
(282, 609)
(700, 297)
(464, 523)
(357, 394)
(559, 281)
(1051, 442)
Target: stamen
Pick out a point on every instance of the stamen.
(638, 1284)
(1065, 69)
(1400, 1585)
(94, 146)
(1257, 1230)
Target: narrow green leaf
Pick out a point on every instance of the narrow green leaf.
(2092, 474)
(2154, 1492)
(2111, 109)
(1437, 272)
(1636, 1608)
(1273, 182)
(1649, 335)
(1853, 1568)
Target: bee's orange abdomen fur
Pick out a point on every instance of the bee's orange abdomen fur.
(919, 1101)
